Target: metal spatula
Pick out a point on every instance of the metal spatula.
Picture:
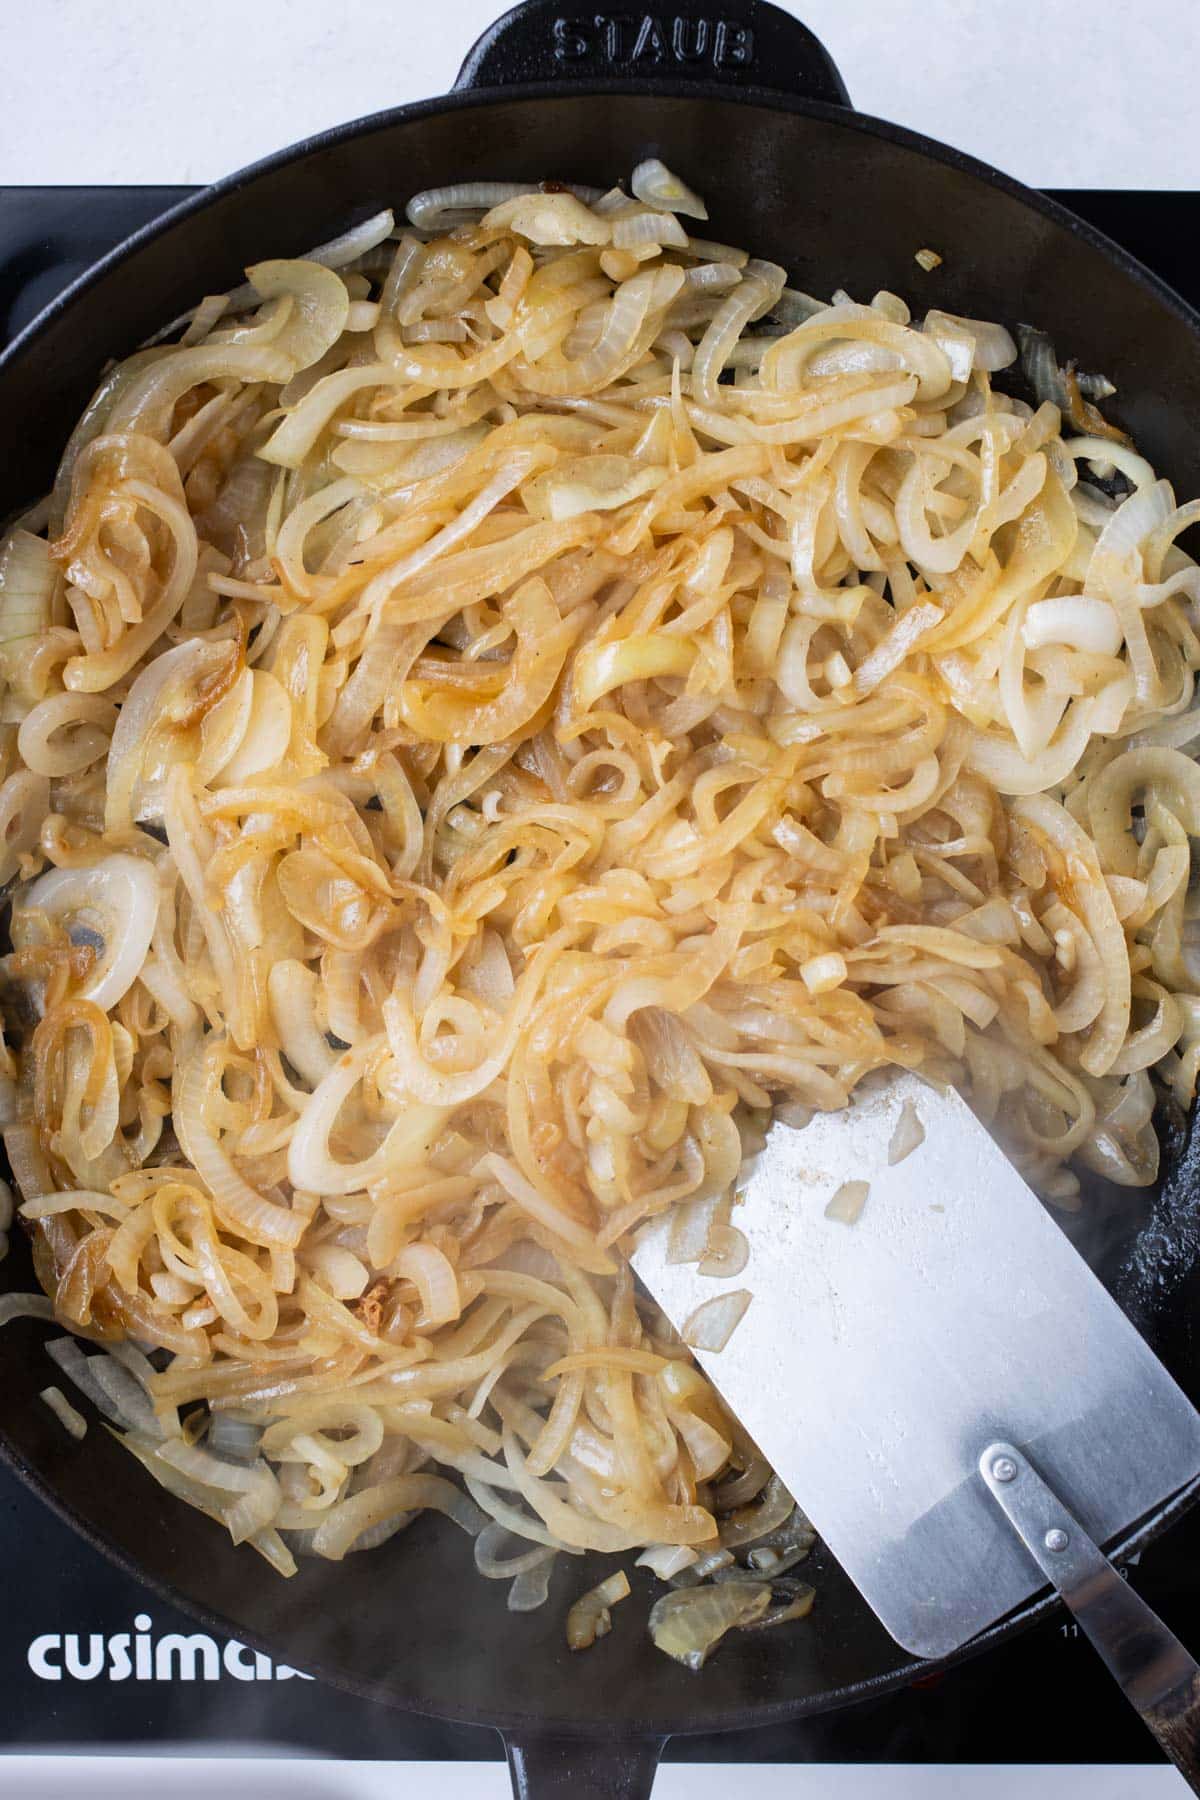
(956, 1402)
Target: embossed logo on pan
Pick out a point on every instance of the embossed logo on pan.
(624, 39)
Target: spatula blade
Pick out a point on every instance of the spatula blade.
(877, 1360)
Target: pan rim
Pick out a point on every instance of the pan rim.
(469, 99)
(521, 1724)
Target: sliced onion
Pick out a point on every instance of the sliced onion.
(502, 1512)
(27, 577)
(268, 730)
(239, 1206)
(116, 901)
(146, 402)
(1170, 776)
(751, 1524)
(303, 422)
(795, 1602)
(531, 1588)
(204, 318)
(321, 303)
(85, 722)
(993, 346)
(633, 230)
(24, 804)
(1076, 620)
(908, 1135)
(25, 1306)
(727, 1253)
(235, 1437)
(427, 210)
(580, 484)
(494, 1566)
(348, 1519)
(759, 289)
(272, 1548)
(356, 242)
(667, 1560)
(707, 1448)
(689, 1623)
(71, 1421)
(690, 1227)
(254, 1511)
(256, 1496)
(111, 1389)
(548, 219)
(714, 1322)
(166, 691)
(312, 1167)
(822, 974)
(439, 207)
(640, 657)
(774, 1552)
(339, 1270)
(433, 1275)
(590, 1618)
(705, 1565)
(738, 1489)
(213, 1471)
(847, 1203)
(654, 184)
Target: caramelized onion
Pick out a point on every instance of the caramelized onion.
(596, 698)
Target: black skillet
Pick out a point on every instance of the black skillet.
(748, 107)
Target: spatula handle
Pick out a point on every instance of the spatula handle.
(1148, 1662)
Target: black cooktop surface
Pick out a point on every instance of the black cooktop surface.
(89, 1658)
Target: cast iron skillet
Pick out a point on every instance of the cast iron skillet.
(748, 107)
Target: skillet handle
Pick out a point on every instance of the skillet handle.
(1153, 1670)
(743, 43)
(550, 1766)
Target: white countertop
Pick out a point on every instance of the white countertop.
(245, 1778)
(161, 91)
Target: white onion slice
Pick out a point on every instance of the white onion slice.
(548, 219)
(908, 1136)
(25, 1306)
(339, 1270)
(440, 206)
(582, 484)
(690, 1226)
(71, 1421)
(27, 577)
(433, 1275)
(531, 1588)
(110, 1388)
(666, 1559)
(24, 803)
(727, 1254)
(590, 1618)
(714, 1322)
(1077, 620)
(634, 231)
(267, 733)
(321, 303)
(654, 185)
(689, 1622)
(116, 899)
(354, 243)
(848, 1202)
(993, 347)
